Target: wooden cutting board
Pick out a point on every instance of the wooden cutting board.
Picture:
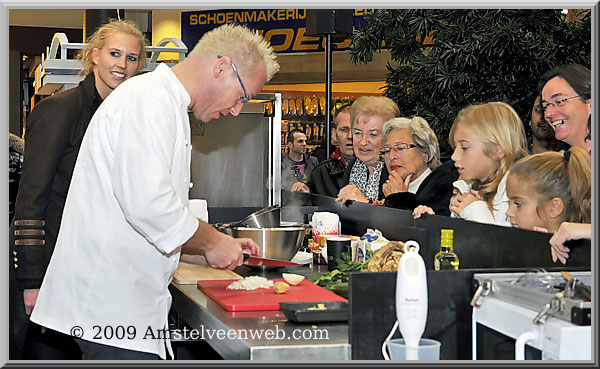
(262, 298)
(191, 273)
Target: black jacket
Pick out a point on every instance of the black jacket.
(435, 191)
(384, 177)
(54, 132)
(327, 177)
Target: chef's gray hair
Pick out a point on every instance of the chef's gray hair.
(423, 136)
(246, 47)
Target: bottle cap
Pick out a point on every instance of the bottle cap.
(448, 233)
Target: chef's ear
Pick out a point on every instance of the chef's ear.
(219, 66)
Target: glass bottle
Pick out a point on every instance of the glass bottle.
(446, 259)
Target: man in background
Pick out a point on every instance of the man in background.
(297, 164)
(542, 135)
(326, 179)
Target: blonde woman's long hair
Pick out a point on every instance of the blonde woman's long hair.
(495, 123)
(99, 37)
(567, 176)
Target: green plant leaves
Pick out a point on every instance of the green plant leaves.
(476, 56)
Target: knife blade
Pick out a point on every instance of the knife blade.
(256, 261)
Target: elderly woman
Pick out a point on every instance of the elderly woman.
(412, 158)
(365, 175)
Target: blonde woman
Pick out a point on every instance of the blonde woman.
(364, 176)
(55, 130)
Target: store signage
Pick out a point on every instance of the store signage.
(285, 29)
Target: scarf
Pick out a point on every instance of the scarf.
(367, 184)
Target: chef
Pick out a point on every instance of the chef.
(126, 219)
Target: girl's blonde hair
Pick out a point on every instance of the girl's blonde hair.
(495, 123)
(99, 37)
(368, 106)
(566, 176)
(246, 47)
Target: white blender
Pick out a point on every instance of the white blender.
(411, 301)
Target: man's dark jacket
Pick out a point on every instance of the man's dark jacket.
(326, 179)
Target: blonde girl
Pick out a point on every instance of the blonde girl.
(550, 188)
(487, 140)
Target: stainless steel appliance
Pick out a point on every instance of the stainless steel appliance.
(236, 161)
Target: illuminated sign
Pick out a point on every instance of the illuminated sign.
(285, 29)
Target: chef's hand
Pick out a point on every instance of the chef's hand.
(30, 297)
(422, 209)
(229, 252)
(300, 187)
(396, 184)
(351, 192)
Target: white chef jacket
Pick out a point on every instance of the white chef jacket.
(125, 214)
(478, 211)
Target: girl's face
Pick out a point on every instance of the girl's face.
(367, 139)
(523, 204)
(116, 61)
(470, 158)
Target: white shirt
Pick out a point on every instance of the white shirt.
(125, 214)
(478, 211)
(414, 185)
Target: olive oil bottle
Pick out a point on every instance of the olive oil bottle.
(446, 259)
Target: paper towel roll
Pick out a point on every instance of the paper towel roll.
(199, 209)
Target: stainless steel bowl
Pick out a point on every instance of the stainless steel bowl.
(275, 243)
(264, 218)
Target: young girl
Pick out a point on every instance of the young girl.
(487, 140)
(550, 188)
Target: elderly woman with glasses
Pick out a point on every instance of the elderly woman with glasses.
(364, 176)
(412, 158)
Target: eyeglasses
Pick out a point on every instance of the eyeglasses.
(557, 103)
(397, 148)
(246, 98)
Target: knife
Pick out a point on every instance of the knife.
(266, 262)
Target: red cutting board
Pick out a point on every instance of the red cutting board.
(262, 298)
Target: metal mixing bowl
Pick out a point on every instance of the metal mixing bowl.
(264, 218)
(275, 243)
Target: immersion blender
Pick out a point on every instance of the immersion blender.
(411, 298)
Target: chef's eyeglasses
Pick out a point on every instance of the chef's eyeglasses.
(397, 148)
(557, 103)
(246, 98)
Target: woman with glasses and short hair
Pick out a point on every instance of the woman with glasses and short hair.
(412, 158)
(567, 104)
(365, 175)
